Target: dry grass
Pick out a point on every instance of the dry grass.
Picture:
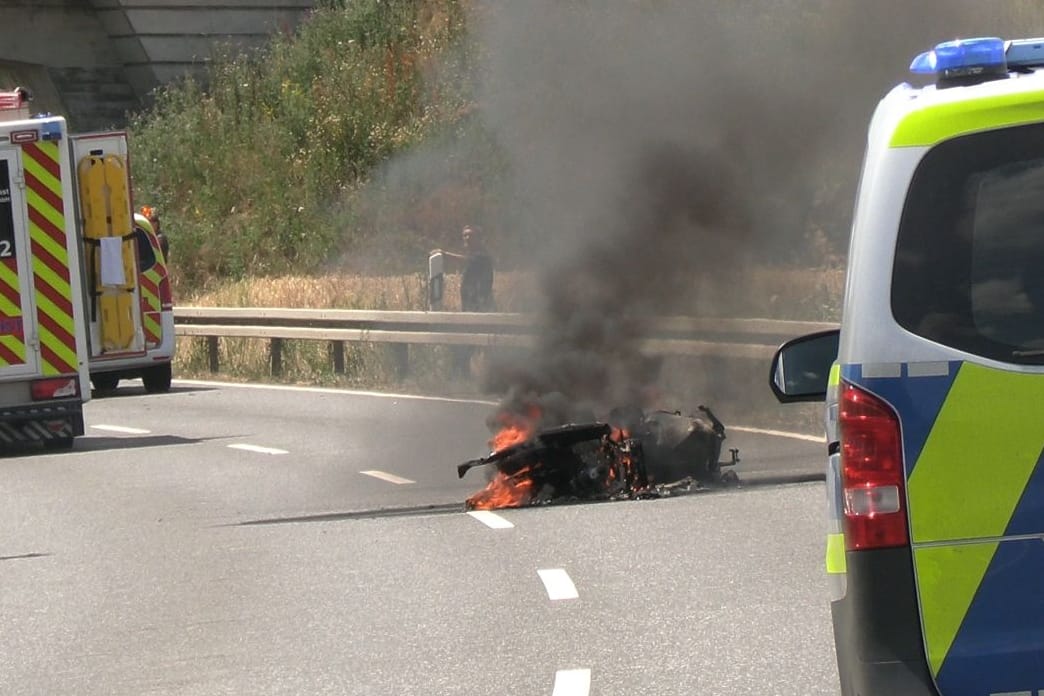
(323, 292)
(366, 365)
(813, 295)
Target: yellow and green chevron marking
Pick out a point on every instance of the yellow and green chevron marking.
(971, 475)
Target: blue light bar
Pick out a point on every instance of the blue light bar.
(50, 130)
(1026, 53)
(963, 57)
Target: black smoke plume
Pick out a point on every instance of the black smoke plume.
(658, 146)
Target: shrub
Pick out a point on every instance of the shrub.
(249, 170)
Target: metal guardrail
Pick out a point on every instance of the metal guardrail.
(734, 338)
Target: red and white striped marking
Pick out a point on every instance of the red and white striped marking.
(43, 181)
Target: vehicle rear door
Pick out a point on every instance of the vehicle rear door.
(17, 356)
(152, 273)
(969, 279)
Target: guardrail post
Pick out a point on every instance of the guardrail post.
(276, 349)
(401, 356)
(337, 352)
(212, 352)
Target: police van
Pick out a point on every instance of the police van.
(934, 386)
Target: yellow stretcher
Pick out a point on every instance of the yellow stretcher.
(106, 208)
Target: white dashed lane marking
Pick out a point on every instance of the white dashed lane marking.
(121, 429)
(258, 449)
(558, 584)
(491, 519)
(385, 476)
(778, 433)
(572, 682)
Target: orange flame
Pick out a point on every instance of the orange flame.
(628, 468)
(510, 435)
(515, 428)
(504, 492)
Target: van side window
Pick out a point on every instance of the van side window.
(969, 261)
(146, 256)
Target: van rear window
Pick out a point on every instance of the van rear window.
(969, 263)
(146, 256)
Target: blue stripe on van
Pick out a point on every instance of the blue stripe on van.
(1000, 642)
(1028, 517)
(917, 400)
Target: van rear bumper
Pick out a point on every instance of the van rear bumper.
(50, 420)
(877, 627)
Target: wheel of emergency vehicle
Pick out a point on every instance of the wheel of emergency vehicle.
(157, 379)
(105, 382)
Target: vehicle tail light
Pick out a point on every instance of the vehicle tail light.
(166, 296)
(872, 475)
(54, 388)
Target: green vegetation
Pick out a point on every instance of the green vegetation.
(266, 180)
(272, 165)
(255, 174)
(268, 166)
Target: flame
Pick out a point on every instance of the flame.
(510, 435)
(504, 491)
(629, 473)
(621, 471)
(515, 428)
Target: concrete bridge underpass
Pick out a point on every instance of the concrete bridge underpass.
(97, 60)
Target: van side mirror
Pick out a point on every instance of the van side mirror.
(801, 367)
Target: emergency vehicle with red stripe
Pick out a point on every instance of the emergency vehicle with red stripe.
(84, 291)
(934, 386)
(130, 312)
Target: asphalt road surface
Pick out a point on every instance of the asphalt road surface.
(226, 540)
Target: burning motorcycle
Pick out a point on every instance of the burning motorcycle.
(634, 454)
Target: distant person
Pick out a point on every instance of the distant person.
(476, 287)
(476, 280)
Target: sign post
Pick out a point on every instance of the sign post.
(436, 281)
